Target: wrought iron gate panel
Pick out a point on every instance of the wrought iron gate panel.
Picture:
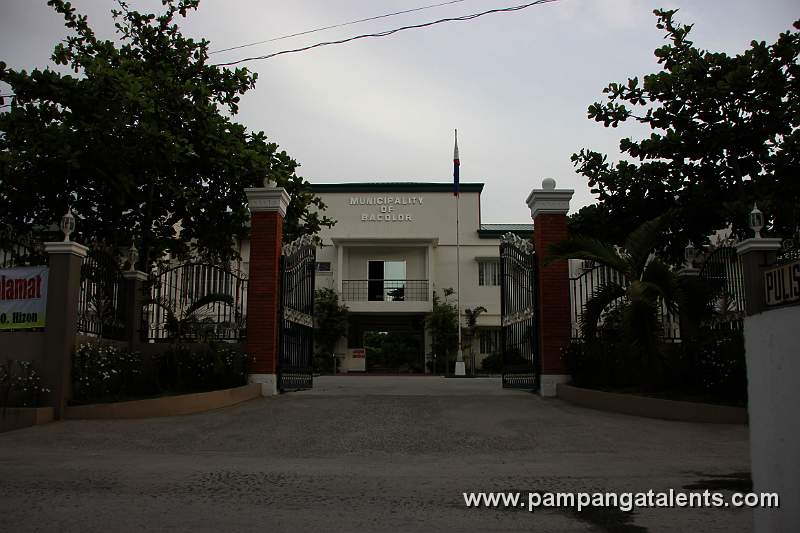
(723, 270)
(296, 341)
(519, 316)
(177, 287)
(101, 300)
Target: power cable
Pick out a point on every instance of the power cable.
(334, 26)
(387, 32)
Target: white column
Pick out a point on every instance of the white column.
(339, 268)
(429, 271)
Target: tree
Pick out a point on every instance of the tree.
(647, 282)
(140, 142)
(471, 328)
(443, 325)
(725, 134)
(331, 320)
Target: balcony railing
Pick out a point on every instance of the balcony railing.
(385, 290)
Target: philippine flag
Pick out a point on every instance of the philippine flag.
(456, 164)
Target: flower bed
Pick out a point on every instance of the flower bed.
(106, 373)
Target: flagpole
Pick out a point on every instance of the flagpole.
(460, 369)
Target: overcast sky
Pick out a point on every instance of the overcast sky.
(516, 85)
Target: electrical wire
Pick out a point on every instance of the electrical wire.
(387, 32)
(334, 26)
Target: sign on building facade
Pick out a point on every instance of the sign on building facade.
(23, 297)
(782, 284)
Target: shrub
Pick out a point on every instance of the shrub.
(492, 363)
(103, 371)
(710, 365)
(715, 364)
(211, 367)
(602, 364)
(323, 363)
(20, 384)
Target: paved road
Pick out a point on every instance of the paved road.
(363, 454)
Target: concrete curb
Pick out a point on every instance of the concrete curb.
(183, 404)
(22, 417)
(631, 404)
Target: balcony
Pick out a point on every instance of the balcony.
(386, 295)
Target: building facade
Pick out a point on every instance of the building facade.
(392, 247)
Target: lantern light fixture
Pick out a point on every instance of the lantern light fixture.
(133, 256)
(68, 224)
(756, 221)
(690, 254)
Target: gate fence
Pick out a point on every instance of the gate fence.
(518, 333)
(296, 340)
(178, 288)
(101, 300)
(723, 270)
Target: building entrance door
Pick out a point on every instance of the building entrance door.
(393, 344)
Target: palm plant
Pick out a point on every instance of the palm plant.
(645, 282)
(468, 333)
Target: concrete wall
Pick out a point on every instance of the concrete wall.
(772, 349)
(433, 217)
(22, 345)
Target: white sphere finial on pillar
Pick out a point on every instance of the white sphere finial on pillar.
(548, 199)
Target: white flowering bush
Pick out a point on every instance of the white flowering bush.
(20, 384)
(103, 371)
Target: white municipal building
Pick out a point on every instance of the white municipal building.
(393, 244)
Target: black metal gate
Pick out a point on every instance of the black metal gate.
(296, 341)
(519, 332)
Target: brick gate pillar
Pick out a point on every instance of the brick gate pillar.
(267, 211)
(549, 208)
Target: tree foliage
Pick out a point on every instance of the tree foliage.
(140, 141)
(724, 135)
(330, 318)
(443, 325)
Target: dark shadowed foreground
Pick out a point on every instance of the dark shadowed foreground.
(365, 454)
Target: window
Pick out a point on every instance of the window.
(323, 266)
(490, 340)
(387, 281)
(489, 273)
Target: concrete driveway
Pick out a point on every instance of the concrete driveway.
(364, 454)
